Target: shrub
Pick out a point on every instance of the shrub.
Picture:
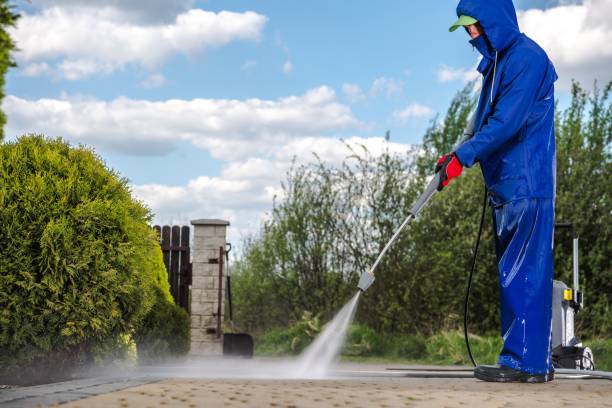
(362, 341)
(602, 353)
(292, 340)
(448, 347)
(79, 259)
(164, 332)
(412, 347)
(276, 342)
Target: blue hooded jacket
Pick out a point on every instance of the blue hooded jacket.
(514, 138)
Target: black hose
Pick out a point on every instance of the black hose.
(469, 284)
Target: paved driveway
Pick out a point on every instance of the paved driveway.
(268, 384)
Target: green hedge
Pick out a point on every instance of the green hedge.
(165, 331)
(80, 266)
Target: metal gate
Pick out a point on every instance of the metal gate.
(174, 241)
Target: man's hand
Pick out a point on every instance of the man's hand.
(449, 167)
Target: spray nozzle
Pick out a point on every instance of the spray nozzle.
(365, 281)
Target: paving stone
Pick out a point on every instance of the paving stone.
(66, 391)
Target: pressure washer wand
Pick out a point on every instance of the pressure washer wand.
(367, 278)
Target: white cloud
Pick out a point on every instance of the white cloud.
(35, 69)
(577, 38)
(73, 69)
(287, 67)
(227, 128)
(448, 74)
(387, 86)
(413, 111)
(334, 151)
(353, 93)
(154, 81)
(135, 10)
(81, 42)
(244, 190)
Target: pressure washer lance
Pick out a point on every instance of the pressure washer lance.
(367, 278)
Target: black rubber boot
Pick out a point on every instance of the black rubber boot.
(499, 373)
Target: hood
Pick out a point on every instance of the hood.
(497, 17)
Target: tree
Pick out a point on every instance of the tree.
(584, 198)
(7, 19)
(333, 221)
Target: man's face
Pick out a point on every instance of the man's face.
(474, 30)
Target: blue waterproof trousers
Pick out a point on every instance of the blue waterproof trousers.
(524, 243)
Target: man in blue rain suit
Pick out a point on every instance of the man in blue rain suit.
(514, 142)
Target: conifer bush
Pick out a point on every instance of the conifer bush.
(80, 265)
(164, 332)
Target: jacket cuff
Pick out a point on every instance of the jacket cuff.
(466, 154)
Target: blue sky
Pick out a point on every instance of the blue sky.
(203, 111)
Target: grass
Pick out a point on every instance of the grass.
(602, 352)
(446, 348)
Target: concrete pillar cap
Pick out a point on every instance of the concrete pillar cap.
(210, 221)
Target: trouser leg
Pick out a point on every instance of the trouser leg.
(524, 245)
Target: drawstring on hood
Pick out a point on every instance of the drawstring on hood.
(493, 80)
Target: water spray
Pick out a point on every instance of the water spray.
(316, 360)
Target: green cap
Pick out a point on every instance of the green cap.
(463, 21)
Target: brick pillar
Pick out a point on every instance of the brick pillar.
(209, 236)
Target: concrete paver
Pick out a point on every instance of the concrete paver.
(50, 394)
(378, 392)
(263, 383)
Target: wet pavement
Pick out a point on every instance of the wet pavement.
(234, 384)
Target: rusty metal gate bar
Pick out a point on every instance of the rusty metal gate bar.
(220, 295)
